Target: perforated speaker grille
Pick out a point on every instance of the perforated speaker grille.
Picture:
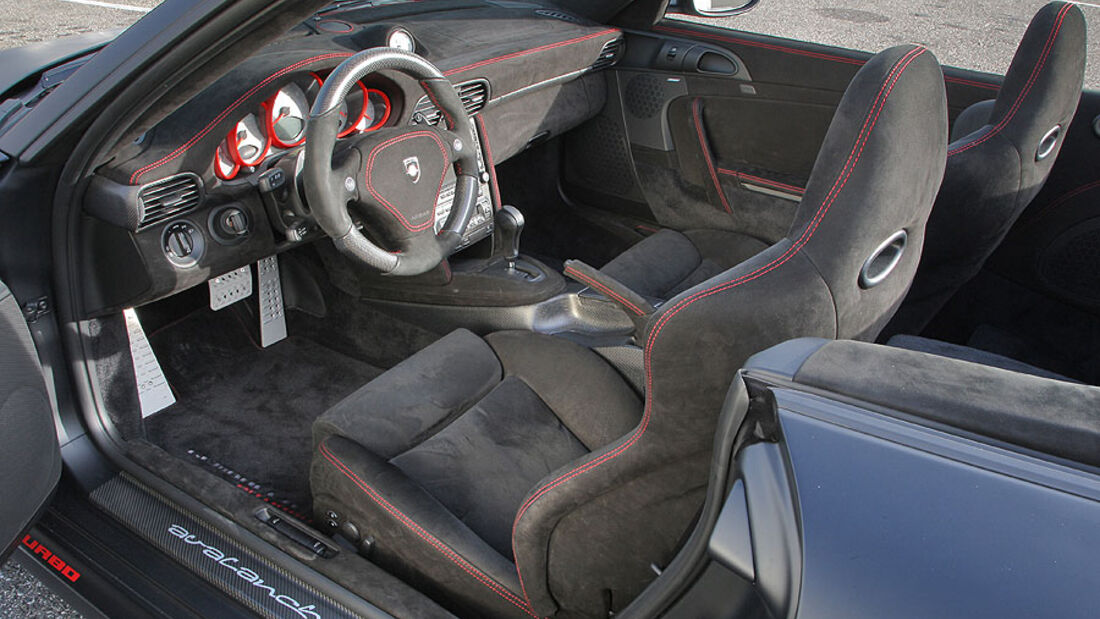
(1070, 265)
(645, 95)
(599, 158)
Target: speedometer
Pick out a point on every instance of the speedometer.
(248, 141)
(286, 116)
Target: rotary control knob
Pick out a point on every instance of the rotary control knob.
(183, 244)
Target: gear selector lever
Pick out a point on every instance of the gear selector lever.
(509, 222)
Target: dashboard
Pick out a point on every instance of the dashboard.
(214, 183)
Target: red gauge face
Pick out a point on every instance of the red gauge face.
(225, 167)
(248, 143)
(286, 116)
(352, 110)
(376, 112)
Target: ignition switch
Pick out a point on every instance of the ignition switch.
(229, 224)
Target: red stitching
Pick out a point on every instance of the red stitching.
(696, 107)
(842, 179)
(569, 270)
(533, 50)
(423, 534)
(391, 208)
(1067, 197)
(763, 181)
(493, 186)
(1035, 71)
(966, 82)
(220, 117)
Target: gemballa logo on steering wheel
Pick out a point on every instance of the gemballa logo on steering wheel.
(412, 169)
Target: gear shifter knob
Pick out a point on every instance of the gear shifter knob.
(509, 222)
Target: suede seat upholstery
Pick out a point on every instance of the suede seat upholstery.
(520, 475)
(669, 262)
(993, 172)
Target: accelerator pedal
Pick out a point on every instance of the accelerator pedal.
(272, 311)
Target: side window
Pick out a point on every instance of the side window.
(968, 35)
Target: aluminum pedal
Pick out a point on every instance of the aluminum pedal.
(272, 312)
(225, 290)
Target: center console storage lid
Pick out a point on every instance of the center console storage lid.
(1058, 418)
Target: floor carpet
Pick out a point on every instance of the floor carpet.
(245, 411)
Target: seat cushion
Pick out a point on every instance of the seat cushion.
(974, 355)
(669, 262)
(433, 458)
(482, 465)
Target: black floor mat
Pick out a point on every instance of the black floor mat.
(248, 409)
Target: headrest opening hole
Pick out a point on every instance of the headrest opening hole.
(1048, 143)
(883, 260)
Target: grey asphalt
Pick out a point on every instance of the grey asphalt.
(976, 34)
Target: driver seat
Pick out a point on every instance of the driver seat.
(520, 474)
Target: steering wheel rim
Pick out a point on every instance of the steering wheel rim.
(332, 180)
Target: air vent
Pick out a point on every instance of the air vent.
(169, 197)
(562, 15)
(609, 55)
(474, 96)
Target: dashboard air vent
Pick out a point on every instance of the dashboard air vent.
(474, 95)
(169, 197)
(562, 15)
(609, 55)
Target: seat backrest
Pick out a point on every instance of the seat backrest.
(875, 177)
(994, 172)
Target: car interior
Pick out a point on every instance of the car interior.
(465, 348)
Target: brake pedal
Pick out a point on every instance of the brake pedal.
(272, 311)
(225, 290)
(154, 394)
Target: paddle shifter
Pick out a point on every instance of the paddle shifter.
(509, 222)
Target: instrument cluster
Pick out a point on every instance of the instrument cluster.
(280, 123)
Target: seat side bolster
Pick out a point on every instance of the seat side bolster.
(414, 535)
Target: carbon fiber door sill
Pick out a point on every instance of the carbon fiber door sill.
(243, 574)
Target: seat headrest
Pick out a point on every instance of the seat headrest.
(1043, 84)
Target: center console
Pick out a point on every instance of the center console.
(481, 222)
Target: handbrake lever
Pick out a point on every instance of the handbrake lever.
(635, 305)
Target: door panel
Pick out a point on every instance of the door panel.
(30, 460)
(685, 147)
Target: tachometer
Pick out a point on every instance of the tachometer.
(248, 142)
(377, 110)
(363, 109)
(286, 116)
(352, 111)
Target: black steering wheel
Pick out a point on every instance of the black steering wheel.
(393, 177)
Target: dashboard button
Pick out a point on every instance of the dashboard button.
(183, 244)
